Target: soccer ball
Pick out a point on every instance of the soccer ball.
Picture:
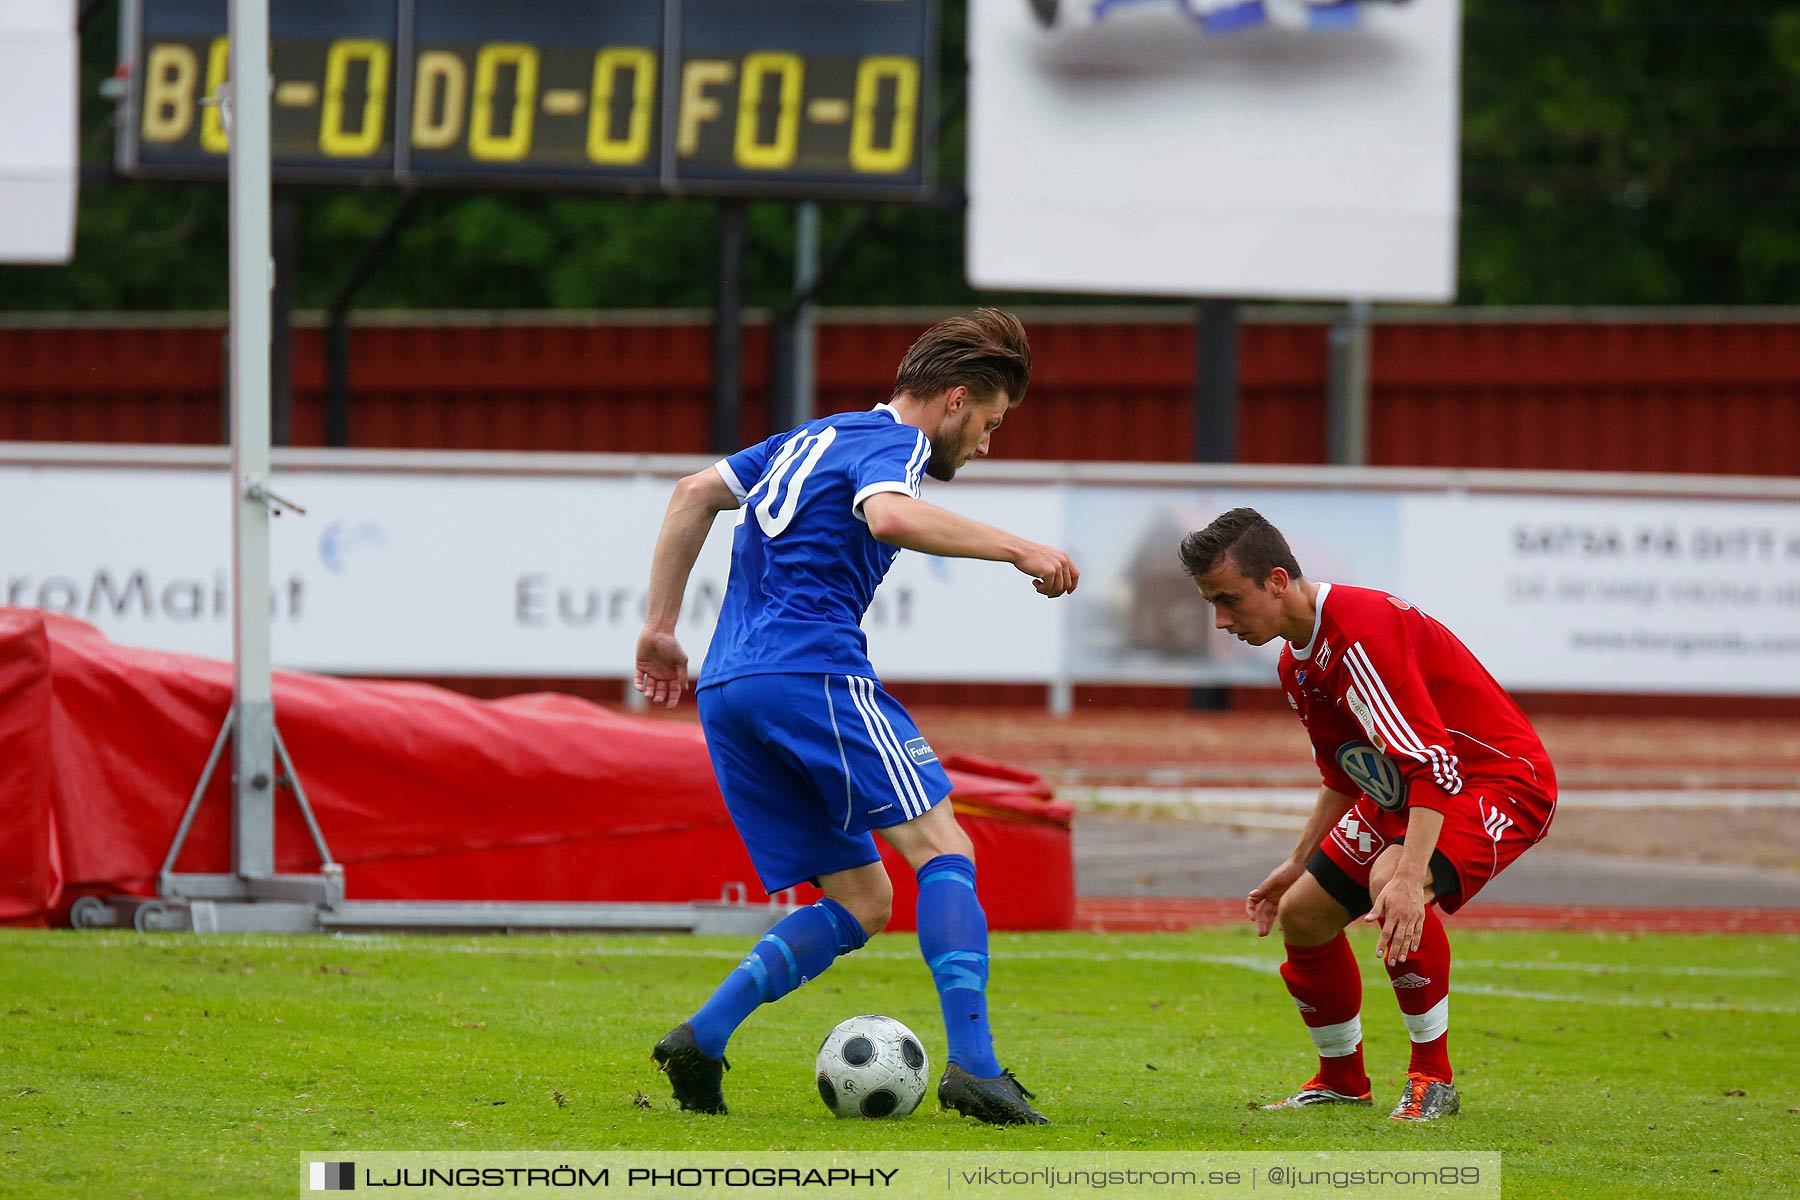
(871, 1066)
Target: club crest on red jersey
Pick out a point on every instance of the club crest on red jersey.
(1357, 838)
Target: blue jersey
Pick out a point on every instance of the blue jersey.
(804, 566)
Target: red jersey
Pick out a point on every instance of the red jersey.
(1398, 709)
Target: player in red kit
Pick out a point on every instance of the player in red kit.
(1433, 782)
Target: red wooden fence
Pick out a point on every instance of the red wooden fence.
(1651, 394)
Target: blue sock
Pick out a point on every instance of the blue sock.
(799, 948)
(953, 937)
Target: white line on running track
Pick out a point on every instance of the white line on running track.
(386, 942)
(1302, 799)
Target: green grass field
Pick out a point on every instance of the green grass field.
(183, 1066)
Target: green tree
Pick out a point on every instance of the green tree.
(1631, 152)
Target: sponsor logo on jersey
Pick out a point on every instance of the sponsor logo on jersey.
(1360, 711)
(1410, 980)
(1324, 656)
(1373, 772)
(920, 751)
(1292, 703)
(1398, 603)
(1358, 839)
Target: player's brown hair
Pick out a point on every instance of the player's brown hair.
(986, 352)
(1246, 537)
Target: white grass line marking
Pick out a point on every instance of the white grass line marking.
(1619, 969)
(1263, 966)
(432, 945)
(1724, 1006)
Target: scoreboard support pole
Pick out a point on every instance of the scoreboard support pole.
(1215, 382)
(803, 400)
(1215, 418)
(1347, 394)
(728, 330)
(253, 896)
(253, 740)
(337, 321)
(792, 331)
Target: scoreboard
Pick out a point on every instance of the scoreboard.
(803, 98)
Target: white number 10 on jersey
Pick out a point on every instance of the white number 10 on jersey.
(781, 483)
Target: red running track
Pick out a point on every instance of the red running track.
(1131, 914)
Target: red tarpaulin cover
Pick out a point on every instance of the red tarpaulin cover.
(421, 793)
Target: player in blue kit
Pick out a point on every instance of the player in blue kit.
(810, 752)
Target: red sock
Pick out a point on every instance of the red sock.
(1422, 986)
(1327, 988)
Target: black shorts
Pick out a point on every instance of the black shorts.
(1355, 897)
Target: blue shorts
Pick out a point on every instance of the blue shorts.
(809, 764)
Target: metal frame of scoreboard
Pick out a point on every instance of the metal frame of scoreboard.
(812, 99)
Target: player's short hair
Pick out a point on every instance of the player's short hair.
(986, 352)
(1246, 537)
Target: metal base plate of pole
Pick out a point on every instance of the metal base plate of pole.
(167, 914)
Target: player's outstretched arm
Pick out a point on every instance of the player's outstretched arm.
(661, 662)
(911, 523)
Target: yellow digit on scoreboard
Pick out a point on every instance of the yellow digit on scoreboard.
(334, 139)
(483, 143)
(169, 76)
(750, 150)
(439, 90)
(896, 156)
(630, 150)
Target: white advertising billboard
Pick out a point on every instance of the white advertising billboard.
(1613, 595)
(39, 90)
(486, 572)
(406, 573)
(1240, 148)
(1559, 593)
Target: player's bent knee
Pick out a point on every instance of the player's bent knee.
(875, 919)
(872, 906)
(1382, 869)
(1304, 922)
(871, 912)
